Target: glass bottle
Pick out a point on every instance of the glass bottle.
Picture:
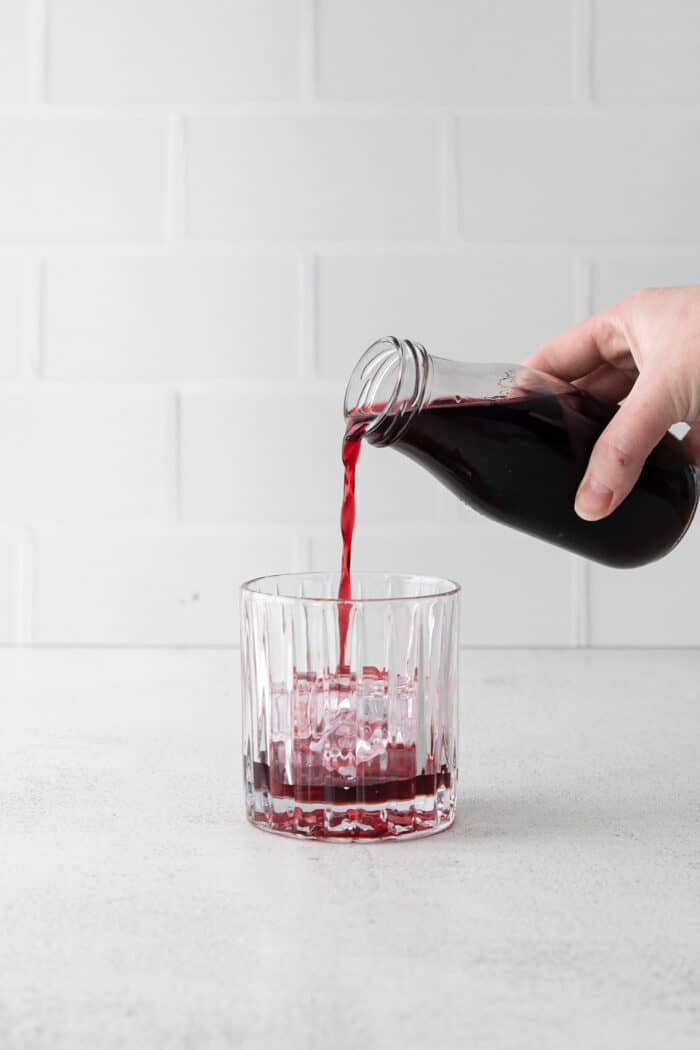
(514, 444)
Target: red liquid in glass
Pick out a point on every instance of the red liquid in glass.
(399, 781)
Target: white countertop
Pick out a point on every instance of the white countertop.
(140, 910)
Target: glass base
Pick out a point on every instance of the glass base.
(418, 817)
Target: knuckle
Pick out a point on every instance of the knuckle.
(641, 296)
(615, 451)
(605, 329)
(638, 296)
(621, 457)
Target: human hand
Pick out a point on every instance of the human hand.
(645, 349)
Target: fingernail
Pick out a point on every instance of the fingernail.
(592, 500)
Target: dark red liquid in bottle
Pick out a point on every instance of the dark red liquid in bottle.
(519, 460)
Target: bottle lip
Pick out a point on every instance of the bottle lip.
(387, 387)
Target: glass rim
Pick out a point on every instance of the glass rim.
(445, 588)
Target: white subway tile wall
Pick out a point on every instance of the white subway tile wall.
(169, 318)
(619, 276)
(315, 176)
(158, 586)
(655, 605)
(418, 51)
(10, 600)
(646, 51)
(191, 51)
(83, 177)
(76, 454)
(208, 209)
(12, 287)
(580, 177)
(14, 51)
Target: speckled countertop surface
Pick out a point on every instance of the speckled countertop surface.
(140, 910)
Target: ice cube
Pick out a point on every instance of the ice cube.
(401, 710)
(279, 712)
(305, 688)
(371, 715)
(339, 740)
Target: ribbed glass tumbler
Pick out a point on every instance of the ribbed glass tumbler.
(350, 708)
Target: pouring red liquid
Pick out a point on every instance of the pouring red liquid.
(351, 451)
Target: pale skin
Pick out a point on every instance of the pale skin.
(645, 353)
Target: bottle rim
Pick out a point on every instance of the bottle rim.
(387, 387)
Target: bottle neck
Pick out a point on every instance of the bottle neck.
(388, 385)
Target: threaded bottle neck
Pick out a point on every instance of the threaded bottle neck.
(388, 385)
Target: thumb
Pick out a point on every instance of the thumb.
(621, 450)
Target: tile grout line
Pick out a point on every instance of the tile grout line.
(37, 64)
(172, 457)
(308, 60)
(581, 43)
(583, 287)
(30, 364)
(25, 588)
(270, 248)
(175, 179)
(581, 77)
(307, 349)
(580, 601)
(580, 567)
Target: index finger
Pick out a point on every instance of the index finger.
(581, 349)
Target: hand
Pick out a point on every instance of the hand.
(645, 350)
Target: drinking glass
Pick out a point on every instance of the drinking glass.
(365, 748)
